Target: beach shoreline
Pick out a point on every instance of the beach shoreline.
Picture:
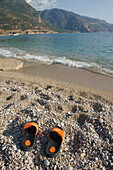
(62, 75)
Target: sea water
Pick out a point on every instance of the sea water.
(92, 51)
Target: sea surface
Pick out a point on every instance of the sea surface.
(93, 51)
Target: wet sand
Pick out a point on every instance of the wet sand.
(70, 75)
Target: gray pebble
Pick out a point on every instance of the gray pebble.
(46, 162)
(100, 121)
(68, 168)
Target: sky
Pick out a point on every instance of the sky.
(102, 9)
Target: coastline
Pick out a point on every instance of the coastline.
(56, 95)
(86, 79)
(25, 32)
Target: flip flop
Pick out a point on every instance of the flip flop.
(29, 133)
(57, 136)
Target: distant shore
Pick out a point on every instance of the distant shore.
(20, 32)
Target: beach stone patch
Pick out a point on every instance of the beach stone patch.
(10, 64)
(97, 107)
(78, 102)
(82, 118)
(36, 89)
(10, 97)
(79, 139)
(48, 87)
(13, 89)
(48, 106)
(74, 108)
(44, 96)
(71, 98)
(41, 102)
(83, 94)
(58, 108)
(58, 96)
(68, 114)
(8, 106)
(23, 97)
(80, 108)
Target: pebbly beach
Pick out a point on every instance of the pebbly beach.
(79, 101)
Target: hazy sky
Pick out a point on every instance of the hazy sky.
(102, 9)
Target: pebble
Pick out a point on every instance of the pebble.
(46, 162)
(105, 162)
(26, 161)
(68, 168)
(100, 121)
(82, 155)
(96, 159)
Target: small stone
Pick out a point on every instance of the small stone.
(23, 168)
(26, 154)
(111, 164)
(82, 155)
(62, 124)
(67, 139)
(46, 162)
(103, 168)
(100, 121)
(30, 161)
(23, 97)
(55, 167)
(32, 166)
(26, 161)
(105, 163)
(68, 168)
(96, 158)
(72, 143)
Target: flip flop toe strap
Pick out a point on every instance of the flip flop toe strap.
(30, 124)
(60, 132)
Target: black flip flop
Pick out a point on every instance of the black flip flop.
(29, 133)
(57, 136)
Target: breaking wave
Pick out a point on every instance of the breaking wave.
(19, 54)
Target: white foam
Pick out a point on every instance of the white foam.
(10, 52)
(16, 53)
(39, 58)
(71, 63)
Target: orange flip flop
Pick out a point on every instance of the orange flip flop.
(29, 133)
(57, 136)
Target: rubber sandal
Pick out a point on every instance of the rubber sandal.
(57, 136)
(29, 133)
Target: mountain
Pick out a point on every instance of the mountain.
(19, 15)
(62, 20)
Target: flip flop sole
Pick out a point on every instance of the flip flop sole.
(27, 142)
(52, 149)
(29, 133)
(54, 144)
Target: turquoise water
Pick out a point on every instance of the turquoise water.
(83, 50)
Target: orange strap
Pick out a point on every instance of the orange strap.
(60, 132)
(29, 124)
